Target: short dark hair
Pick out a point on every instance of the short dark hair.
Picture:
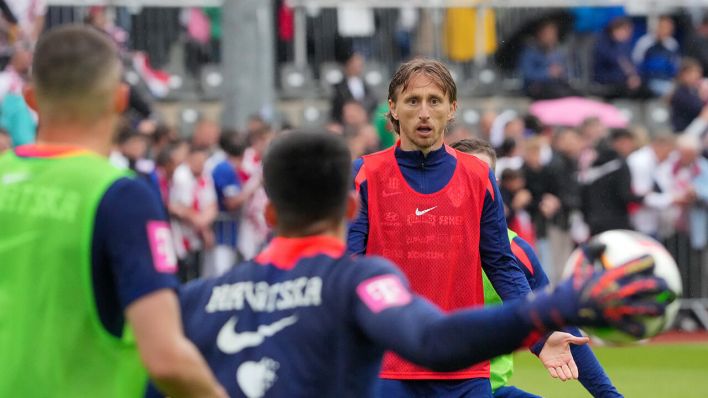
(258, 134)
(194, 149)
(435, 70)
(162, 131)
(127, 133)
(74, 69)
(619, 22)
(511, 174)
(620, 133)
(476, 145)
(688, 63)
(165, 156)
(307, 177)
(233, 143)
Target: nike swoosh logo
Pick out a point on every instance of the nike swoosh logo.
(18, 240)
(387, 194)
(231, 342)
(420, 213)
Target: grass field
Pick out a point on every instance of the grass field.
(656, 370)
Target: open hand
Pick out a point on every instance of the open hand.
(556, 355)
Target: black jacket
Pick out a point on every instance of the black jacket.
(686, 105)
(562, 172)
(606, 193)
(538, 183)
(342, 95)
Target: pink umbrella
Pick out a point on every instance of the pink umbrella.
(571, 111)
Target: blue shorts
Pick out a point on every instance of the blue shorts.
(512, 392)
(467, 388)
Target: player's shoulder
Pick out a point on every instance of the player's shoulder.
(222, 168)
(364, 267)
(359, 173)
(374, 157)
(357, 164)
(472, 162)
(478, 171)
(182, 174)
(199, 291)
(129, 191)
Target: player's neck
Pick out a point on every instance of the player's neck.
(409, 146)
(322, 228)
(95, 136)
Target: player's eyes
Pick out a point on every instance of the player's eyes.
(412, 101)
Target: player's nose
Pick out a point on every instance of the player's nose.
(424, 112)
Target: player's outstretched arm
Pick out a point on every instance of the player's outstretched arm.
(390, 315)
(173, 363)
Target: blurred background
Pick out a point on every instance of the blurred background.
(597, 108)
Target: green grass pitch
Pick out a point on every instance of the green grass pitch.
(657, 370)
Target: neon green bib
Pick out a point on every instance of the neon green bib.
(501, 367)
(52, 343)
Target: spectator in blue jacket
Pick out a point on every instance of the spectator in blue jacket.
(613, 69)
(544, 66)
(687, 100)
(657, 57)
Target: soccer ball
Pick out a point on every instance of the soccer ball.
(621, 247)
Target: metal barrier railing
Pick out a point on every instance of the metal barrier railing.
(693, 264)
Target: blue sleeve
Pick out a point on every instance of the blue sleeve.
(124, 266)
(498, 261)
(226, 184)
(540, 279)
(591, 374)
(359, 227)
(417, 330)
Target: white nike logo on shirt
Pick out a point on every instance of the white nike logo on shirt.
(231, 342)
(420, 213)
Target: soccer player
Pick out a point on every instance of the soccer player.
(87, 301)
(438, 214)
(591, 374)
(304, 319)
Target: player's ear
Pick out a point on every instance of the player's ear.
(352, 205)
(271, 215)
(453, 109)
(30, 95)
(122, 96)
(392, 109)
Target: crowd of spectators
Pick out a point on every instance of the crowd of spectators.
(560, 184)
(209, 184)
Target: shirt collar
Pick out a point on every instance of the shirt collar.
(285, 253)
(50, 151)
(417, 158)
